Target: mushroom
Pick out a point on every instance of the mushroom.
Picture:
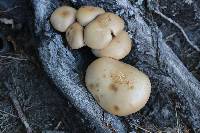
(118, 48)
(62, 17)
(98, 33)
(112, 22)
(86, 14)
(119, 88)
(74, 36)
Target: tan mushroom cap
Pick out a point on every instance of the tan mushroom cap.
(98, 33)
(74, 36)
(62, 17)
(86, 14)
(119, 88)
(97, 37)
(118, 48)
(112, 22)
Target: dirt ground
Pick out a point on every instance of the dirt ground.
(45, 108)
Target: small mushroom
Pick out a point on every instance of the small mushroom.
(86, 14)
(62, 18)
(98, 33)
(119, 88)
(74, 36)
(118, 48)
(112, 22)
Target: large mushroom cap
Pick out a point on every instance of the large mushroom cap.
(98, 33)
(62, 17)
(74, 36)
(119, 88)
(86, 14)
(118, 48)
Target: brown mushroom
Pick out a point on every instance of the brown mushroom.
(119, 88)
(86, 14)
(62, 17)
(118, 48)
(112, 22)
(74, 36)
(98, 33)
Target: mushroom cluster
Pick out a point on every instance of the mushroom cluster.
(118, 88)
(93, 27)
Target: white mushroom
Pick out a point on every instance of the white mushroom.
(118, 48)
(74, 36)
(86, 14)
(119, 88)
(62, 17)
(98, 33)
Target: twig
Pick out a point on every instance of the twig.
(14, 58)
(170, 36)
(137, 126)
(8, 113)
(10, 9)
(18, 108)
(179, 27)
(58, 125)
(4, 130)
(177, 121)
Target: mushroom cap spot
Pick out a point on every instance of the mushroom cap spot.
(62, 17)
(98, 33)
(116, 108)
(86, 14)
(64, 13)
(91, 86)
(118, 48)
(74, 36)
(113, 87)
(123, 76)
